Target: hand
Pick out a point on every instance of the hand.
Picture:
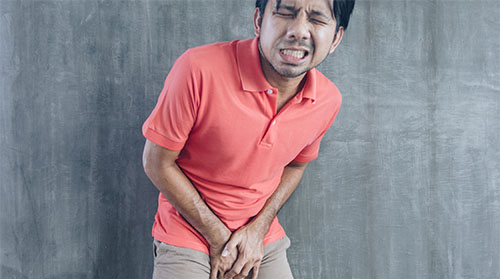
(220, 264)
(248, 243)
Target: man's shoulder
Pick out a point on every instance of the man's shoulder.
(215, 54)
(211, 48)
(326, 89)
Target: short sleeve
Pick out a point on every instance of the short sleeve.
(311, 151)
(174, 115)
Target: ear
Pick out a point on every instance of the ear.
(257, 21)
(337, 39)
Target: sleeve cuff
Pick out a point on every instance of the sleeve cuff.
(305, 158)
(161, 140)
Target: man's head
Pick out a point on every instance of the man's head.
(297, 35)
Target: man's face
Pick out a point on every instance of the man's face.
(296, 36)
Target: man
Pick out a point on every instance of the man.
(230, 137)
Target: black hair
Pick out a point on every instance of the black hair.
(342, 10)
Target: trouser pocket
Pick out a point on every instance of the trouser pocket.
(155, 248)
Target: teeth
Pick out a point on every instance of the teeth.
(294, 53)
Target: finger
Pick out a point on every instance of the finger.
(256, 270)
(227, 263)
(244, 272)
(238, 265)
(213, 272)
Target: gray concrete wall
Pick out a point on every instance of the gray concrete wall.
(407, 184)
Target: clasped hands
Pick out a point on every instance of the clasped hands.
(237, 253)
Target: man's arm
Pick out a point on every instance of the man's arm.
(248, 241)
(161, 168)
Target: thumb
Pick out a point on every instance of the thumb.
(225, 252)
(230, 246)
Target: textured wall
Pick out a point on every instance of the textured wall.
(407, 184)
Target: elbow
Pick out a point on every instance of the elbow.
(151, 167)
(156, 159)
(147, 163)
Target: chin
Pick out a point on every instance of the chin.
(288, 73)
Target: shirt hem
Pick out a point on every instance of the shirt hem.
(181, 242)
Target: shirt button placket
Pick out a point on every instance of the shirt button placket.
(268, 137)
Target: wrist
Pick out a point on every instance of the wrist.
(261, 224)
(218, 237)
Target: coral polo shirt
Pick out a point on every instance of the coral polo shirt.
(218, 108)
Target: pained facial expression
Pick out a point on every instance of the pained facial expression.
(296, 36)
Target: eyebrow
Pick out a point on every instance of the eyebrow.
(286, 7)
(293, 9)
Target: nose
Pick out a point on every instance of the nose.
(298, 29)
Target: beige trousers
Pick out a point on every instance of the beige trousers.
(172, 262)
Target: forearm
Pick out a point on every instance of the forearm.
(290, 179)
(184, 197)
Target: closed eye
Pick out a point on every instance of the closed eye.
(283, 14)
(313, 20)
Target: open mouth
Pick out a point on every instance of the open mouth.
(293, 53)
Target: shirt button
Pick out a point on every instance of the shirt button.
(269, 91)
(274, 122)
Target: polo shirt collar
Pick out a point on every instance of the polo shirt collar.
(309, 90)
(251, 75)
